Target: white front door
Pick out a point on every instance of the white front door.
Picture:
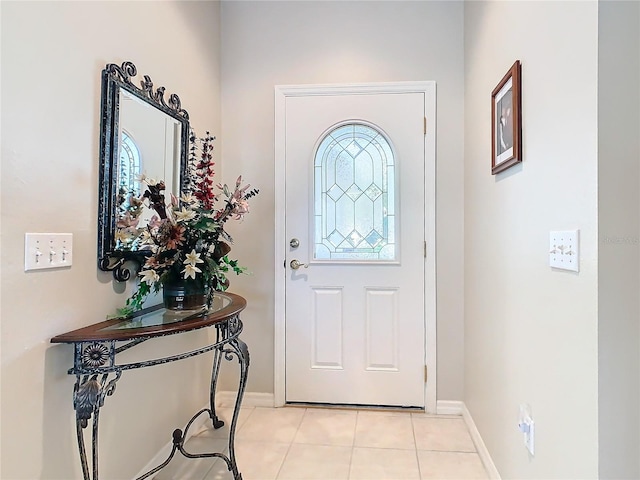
(355, 219)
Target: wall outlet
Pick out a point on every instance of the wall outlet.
(564, 251)
(47, 250)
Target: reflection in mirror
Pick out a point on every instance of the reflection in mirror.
(149, 142)
(142, 135)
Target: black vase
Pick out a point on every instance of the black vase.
(185, 294)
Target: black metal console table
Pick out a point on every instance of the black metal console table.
(97, 346)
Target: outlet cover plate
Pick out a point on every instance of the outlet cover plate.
(564, 250)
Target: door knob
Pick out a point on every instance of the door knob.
(294, 243)
(295, 264)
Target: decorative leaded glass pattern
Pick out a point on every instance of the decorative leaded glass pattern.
(129, 166)
(354, 206)
(128, 188)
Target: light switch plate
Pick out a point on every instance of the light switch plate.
(564, 250)
(47, 250)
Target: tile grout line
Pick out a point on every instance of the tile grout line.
(353, 443)
(415, 443)
(284, 459)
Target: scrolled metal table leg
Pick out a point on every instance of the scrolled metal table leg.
(88, 396)
(84, 397)
(240, 349)
(179, 438)
(217, 356)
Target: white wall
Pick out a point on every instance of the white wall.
(281, 43)
(52, 56)
(619, 238)
(531, 333)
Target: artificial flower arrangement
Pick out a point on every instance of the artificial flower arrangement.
(185, 237)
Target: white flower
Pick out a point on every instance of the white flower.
(184, 215)
(193, 258)
(191, 271)
(145, 237)
(188, 198)
(149, 276)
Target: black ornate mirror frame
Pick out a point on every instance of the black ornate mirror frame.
(115, 78)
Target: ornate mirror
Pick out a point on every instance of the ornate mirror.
(141, 135)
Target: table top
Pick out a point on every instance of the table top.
(158, 321)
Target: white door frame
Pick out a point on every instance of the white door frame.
(281, 94)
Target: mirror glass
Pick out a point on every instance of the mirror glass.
(149, 145)
(142, 135)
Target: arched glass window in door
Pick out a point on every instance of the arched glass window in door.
(129, 166)
(354, 196)
(128, 187)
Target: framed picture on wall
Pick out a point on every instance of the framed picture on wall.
(506, 121)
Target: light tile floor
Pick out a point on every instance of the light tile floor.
(329, 444)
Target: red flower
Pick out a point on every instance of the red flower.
(175, 237)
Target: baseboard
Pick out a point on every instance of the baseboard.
(449, 407)
(250, 399)
(481, 448)
(196, 427)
